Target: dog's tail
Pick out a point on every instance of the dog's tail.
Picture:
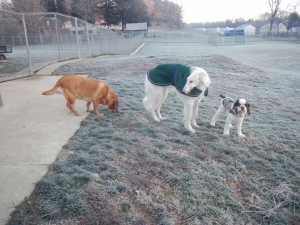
(53, 90)
(222, 96)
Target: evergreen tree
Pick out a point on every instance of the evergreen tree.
(109, 12)
(137, 12)
(123, 10)
(293, 20)
(54, 6)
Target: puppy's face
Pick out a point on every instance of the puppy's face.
(241, 106)
(198, 78)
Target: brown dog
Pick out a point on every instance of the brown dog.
(90, 90)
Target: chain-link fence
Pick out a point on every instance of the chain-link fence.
(217, 38)
(38, 39)
(176, 36)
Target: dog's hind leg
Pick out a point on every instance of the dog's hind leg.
(220, 110)
(150, 105)
(71, 101)
(72, 106)
(69, 105)
(150, 100)
(159, 104)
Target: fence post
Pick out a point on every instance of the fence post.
(77, 39)
(1, 103)
(26, 40)
(58, 45)
(88, 38)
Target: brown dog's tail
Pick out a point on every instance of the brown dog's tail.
(53, 90)
(222, 96)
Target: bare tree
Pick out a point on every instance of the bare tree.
(274, 7)
(84, 9)
(264, 16)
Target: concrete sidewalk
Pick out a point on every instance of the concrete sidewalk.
(33, 129)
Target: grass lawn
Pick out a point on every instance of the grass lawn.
(127, 169)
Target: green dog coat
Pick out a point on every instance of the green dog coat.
(173, 74)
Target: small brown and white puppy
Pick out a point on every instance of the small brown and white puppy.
(89, 90)
(236, 112)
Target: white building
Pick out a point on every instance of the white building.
(136, 26)
(246, 29)
(224, 30)
(265, 29)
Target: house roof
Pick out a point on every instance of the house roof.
(267, 26)
(274, 26)
(296, 29)
(242, 27)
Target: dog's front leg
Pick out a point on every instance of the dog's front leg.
(228, 124)
(195, 111)
(88, 107)
(239, 129)
(187, 112)
(95, 104)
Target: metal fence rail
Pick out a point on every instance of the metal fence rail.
(39, 39)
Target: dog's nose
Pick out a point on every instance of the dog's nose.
(243, 108)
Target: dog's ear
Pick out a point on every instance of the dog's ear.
(115, 103)
(193, 68)
(248, 108)
(237, 103)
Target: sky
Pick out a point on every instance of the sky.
(220, 10)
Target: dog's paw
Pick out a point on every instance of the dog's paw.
(190, 129)
(195, 124)
(156, 120)
(159, 117)
(213, 124)
(241, 135)
(100, 114)
(226, 133)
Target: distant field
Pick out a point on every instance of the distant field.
(127, 169)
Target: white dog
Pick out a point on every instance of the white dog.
(190, 82)
(236, 112)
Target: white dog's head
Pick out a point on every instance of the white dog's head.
(198, 78)
(241, 106)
